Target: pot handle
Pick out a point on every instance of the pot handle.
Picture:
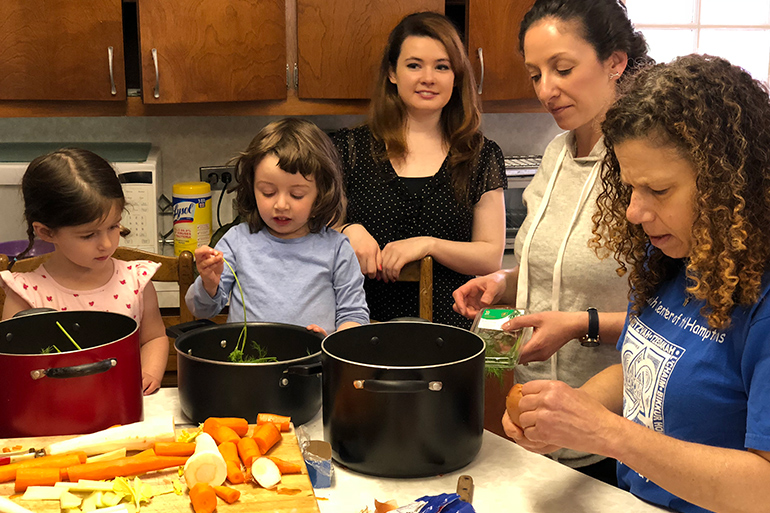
(304, 370)
(76, 371)
(181, 329)
(407, 386)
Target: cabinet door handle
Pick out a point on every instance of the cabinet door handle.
(480, 51)
(156, 90)
(110, 54)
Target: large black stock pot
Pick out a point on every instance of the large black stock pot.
(403, 399)
(212, 386)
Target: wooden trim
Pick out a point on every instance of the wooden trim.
(292, 106)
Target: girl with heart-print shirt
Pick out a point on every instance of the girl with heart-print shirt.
(73, 199)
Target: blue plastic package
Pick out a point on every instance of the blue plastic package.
(442, 503)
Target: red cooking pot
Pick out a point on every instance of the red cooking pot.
(72, 391)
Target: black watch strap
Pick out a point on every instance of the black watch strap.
(591, 339)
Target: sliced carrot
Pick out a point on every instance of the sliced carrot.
(174, 448)
(239, 425)
(130, 466)
(229, 451)
(234, 473)
(221, 433)
(145, 453)
(286, 467)
(266, 436)
(283, 422)
(8, 472)
(248, 450)
(227, 494)
(36, 476)
(203, 498)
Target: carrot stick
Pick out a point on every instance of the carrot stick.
(174, 448)
(221, 433)
(39, 476)
(130, 466)
(8, 472)
(227, 494)
(283, 422)
(229, 451)
(145, 453)
(234, 473)
(203, 498)
(248, 450)
(240, 426)
(266, 436)
(286, 467)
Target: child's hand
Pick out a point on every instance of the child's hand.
(210, 264)
(149, 384)
(317, 329)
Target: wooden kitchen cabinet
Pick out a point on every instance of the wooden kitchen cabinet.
(61, 50)
(493, 37)
(212, 50)
(340, 43)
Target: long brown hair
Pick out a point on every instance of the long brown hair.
(717, 117)
(301, 147)
(461, 116)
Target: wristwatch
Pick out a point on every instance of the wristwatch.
(591, 339)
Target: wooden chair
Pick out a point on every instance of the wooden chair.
(421, 271)
(172, 269)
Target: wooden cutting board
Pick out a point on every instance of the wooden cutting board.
(293, 495)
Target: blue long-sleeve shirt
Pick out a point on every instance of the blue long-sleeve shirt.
(315, 279)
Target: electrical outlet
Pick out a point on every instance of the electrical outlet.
(218, 176)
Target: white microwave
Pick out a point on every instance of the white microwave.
(519, 170)
(138, 166)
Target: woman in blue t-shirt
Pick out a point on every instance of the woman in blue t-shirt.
(686, 204)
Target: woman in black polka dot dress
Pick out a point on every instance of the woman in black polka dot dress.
(420, 178)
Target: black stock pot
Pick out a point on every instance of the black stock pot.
(403, 399)
(73, 391)
(212, 386)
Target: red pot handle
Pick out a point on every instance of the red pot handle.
(76, 371)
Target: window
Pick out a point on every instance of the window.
(738, 30)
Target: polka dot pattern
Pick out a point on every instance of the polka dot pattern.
(379, 199)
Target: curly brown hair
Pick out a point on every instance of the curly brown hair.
(460, 118)
(301, 147)
(717, 117)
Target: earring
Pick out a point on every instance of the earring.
(614, 75)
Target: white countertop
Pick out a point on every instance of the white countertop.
(506, 477)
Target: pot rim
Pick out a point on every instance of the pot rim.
(405, 367)
(219, 327)
(244, 364)
(70, 313)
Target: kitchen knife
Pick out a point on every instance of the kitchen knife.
(465, 488)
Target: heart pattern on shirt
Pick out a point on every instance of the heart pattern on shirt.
(25, 286)
(122, 282)
(136, 291)
(128, 305)
(115, 296)
(90, 303)
(49, 298)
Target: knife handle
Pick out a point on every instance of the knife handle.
(465, 488)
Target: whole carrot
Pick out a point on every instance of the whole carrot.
(36, 476)
(227, 494)
(203, 498)
(130, 466)
(174, 448)
(248, 450)
(286, 467)
(283, 422)
(266, 436)
(8, 472)
(240, 426)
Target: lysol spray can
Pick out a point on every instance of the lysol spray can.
(192, 215)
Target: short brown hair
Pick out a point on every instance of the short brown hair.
(301, 147)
